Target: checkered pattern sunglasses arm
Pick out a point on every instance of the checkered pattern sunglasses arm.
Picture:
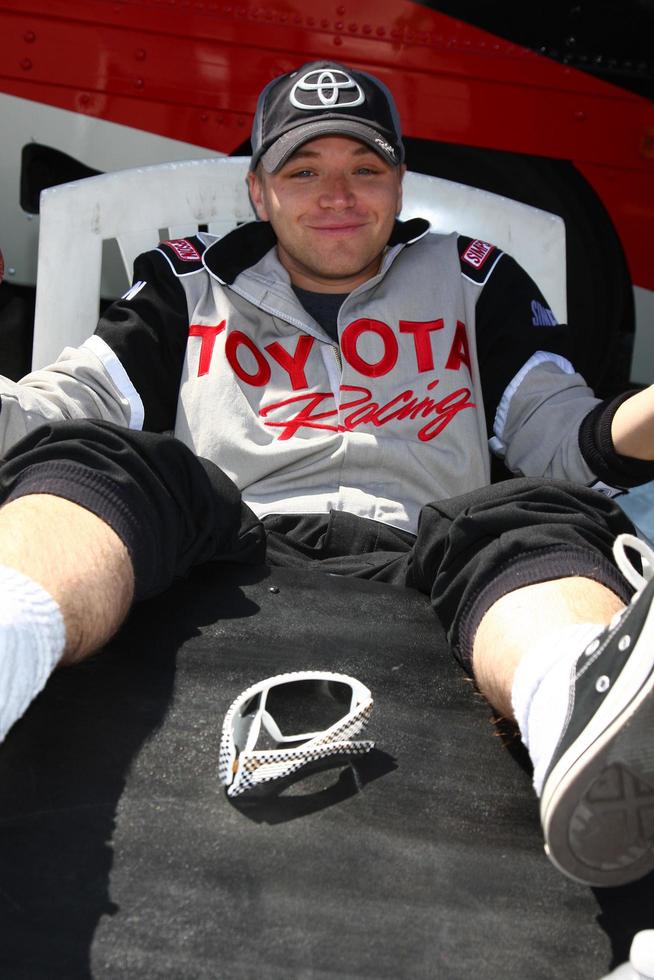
(242, 772)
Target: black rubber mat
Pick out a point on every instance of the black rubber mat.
(121, 856)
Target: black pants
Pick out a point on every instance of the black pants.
(174, 511)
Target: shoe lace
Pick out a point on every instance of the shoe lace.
(625, 564)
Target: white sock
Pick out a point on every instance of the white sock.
(541, 691)
(32, 639)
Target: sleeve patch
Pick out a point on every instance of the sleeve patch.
(477, 253)
(477, 258)
(183, 249)
(184, 255)
(542, 316)
(605, 489)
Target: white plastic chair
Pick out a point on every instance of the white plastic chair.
(140, 207)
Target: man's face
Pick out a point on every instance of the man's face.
(332, 206)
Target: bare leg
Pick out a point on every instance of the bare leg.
(77, 558)
(520, 618)
(97, 517)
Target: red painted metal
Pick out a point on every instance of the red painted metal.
(191, 70)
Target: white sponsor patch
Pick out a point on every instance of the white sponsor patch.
(606, 489)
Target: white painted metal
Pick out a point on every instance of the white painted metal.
(99, 144)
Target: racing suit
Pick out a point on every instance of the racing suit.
(449, 346)
(370, 455)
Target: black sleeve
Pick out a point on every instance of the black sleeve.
(596, 444)
(148, 330)
(513, 321)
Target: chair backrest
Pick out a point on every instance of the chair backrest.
(140, 207)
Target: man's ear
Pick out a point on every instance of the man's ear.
(255, 188)
(399, 194)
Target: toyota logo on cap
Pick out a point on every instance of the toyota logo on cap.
(326, 88)
(323, 98)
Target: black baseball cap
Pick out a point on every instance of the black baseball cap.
(323, 98)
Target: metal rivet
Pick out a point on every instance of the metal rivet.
(624, 643)
(603, 684)
(273, 589)
(592, 648)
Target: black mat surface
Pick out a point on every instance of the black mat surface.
(121, 856)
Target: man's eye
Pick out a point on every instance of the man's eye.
(302, 173)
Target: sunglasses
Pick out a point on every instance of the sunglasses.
(277, 726)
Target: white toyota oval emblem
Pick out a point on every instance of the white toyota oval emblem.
(332, 86)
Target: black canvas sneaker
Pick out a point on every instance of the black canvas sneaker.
(597, 803)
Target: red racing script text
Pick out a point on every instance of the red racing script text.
(356, 407)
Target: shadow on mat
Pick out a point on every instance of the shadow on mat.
(63, 769)
(314, 790)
